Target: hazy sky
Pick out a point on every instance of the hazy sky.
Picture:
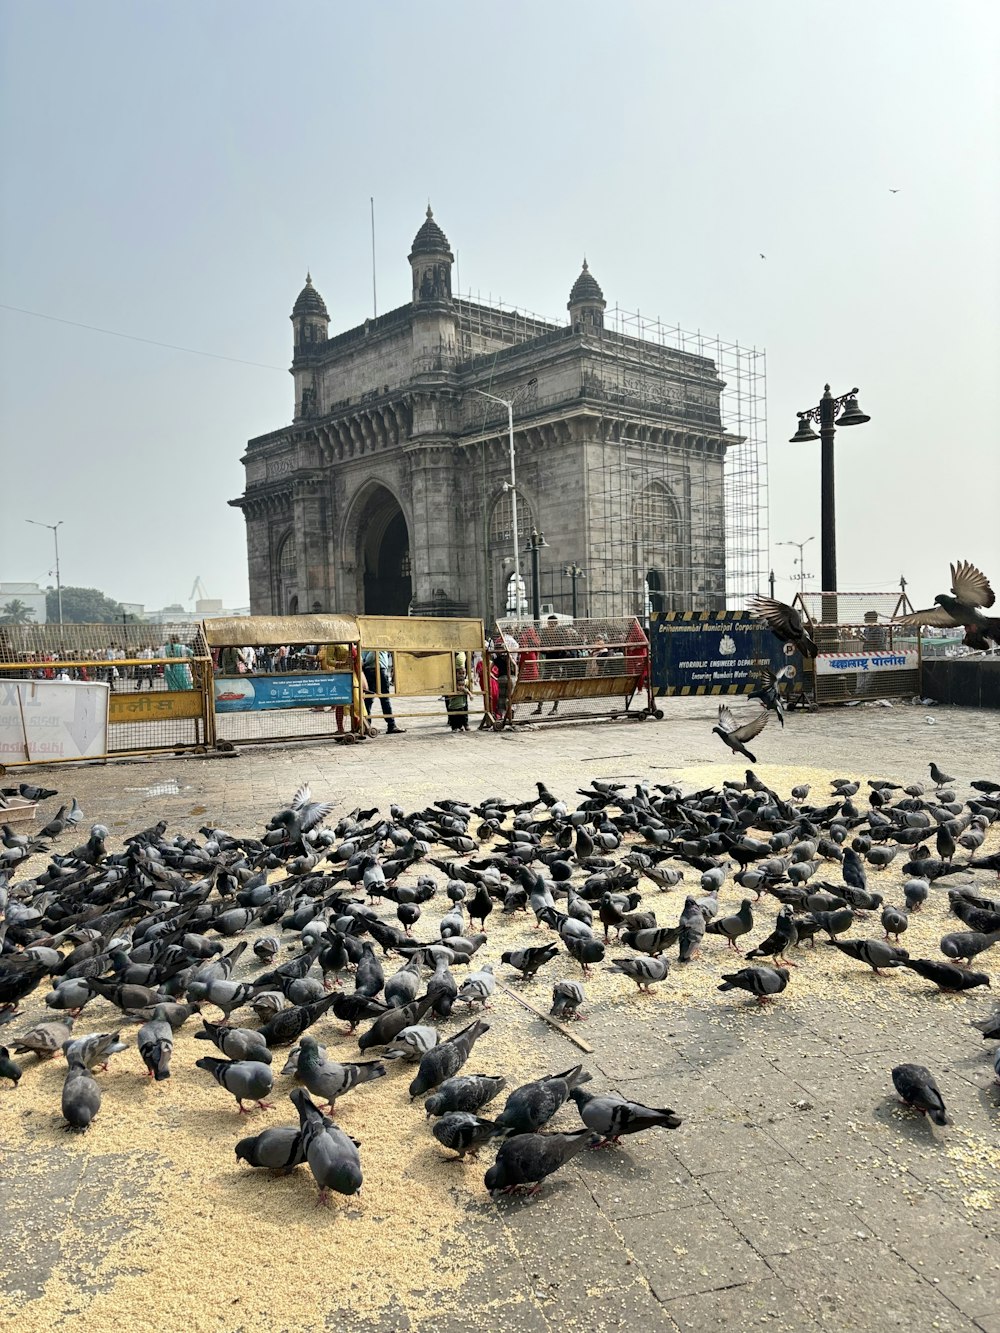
(171, 170)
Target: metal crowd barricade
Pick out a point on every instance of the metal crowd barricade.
(285, 678)
(435, 669)
(159, 679)
(863, 656)
(597, 667)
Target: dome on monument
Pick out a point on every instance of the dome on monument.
(309, 301)
(430, 239)
(585, 288)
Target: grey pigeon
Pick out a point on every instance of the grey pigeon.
(876, 953)
(247, 1080)
(734, 735)
(894, 922)
(390, 1024)
(478, 988)
(567, 996)
(412, 1044)
(784, 935)
(94, 1050)
(468, 1092)
(168, 1012)
(463, 1133)
(947, 976)
(333, 1157)
(741, 923)
(527, 1159)
(764, 982)
(613, 1116)
(156, 1046)
(236, 1043)
(44, 1039)
(968, 944)
(916, 1087)
(278, 1149)
(645, 972)
(9, 1068)
(327, 1079)
(533, 1105)
(528, 961)
(447, 1059)
(837, 922)
(81, 1096)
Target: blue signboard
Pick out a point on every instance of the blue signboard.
(714, 652)
(248, 694)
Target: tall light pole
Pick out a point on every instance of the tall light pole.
(535, 543)
(801, 547)
(574, 572)
(511, 486)
(826, 413)
(54, 529)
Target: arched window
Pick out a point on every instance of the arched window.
(659, 549)
(286, 576)
(502, 521)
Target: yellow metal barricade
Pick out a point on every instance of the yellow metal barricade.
(286, 677)
(159, 680)
(423, 667)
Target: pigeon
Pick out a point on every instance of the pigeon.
(768, 692)
(533, 1105)
(44, 1039)
(528, 961)
(989, 1027)
(386, 1027)
(168, 1012)
(733, 926)
(478, 988)
(412, 1043)
(764, 982)
(876, 953)
(278, 1149)
(970, 589)
(236, 1043)
(464, 1133)
(585, 951)
(894, 922)
(947, 976)
(351, 1009)
(94, 1050)
(329, 1080)
(835, 922)
(645, 972)
(156, 1045)
(784, 622)
(447, 1059)
(692, 930)
(247, 1080)
(527, 1159)
(968, 944)
(915, 893)
(332, 1156)
(9, 1068)
(613, 1116)
(287, 1024)
(733, 735)
(468, 1092)
(567, 996)
(81, 1096)
(784, 935)
(938, 778)
(916, 1087)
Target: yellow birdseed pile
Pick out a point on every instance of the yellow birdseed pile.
(192, 1239)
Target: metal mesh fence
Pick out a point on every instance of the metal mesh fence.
(159, 676)
(584, 668)
(849, 608)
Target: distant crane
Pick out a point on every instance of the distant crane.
(198, 591)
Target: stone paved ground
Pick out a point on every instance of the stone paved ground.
(795, 1196)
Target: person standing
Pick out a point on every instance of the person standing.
(376, 667)
(177, 675)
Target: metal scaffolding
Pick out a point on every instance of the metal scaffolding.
(676, 526)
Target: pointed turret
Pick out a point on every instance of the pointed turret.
(586, 303)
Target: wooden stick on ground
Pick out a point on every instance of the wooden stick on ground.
(570, 1036)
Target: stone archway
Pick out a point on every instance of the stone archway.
(384, 555)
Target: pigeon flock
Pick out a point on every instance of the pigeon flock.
(172, 930)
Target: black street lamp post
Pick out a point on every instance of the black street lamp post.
(826, 414)
(574, 572)
(535, 543)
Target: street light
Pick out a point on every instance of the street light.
(801, 563)
(535, 543)
(574, 572)
(508, 403)
(826, 414)
(54, 529)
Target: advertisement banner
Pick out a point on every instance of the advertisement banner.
(52, 719)
(834, 664)
(248, 694)
(714, 652)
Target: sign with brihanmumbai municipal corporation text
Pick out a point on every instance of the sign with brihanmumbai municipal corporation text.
(714, 652)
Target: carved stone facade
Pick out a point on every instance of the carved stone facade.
(389, 492)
